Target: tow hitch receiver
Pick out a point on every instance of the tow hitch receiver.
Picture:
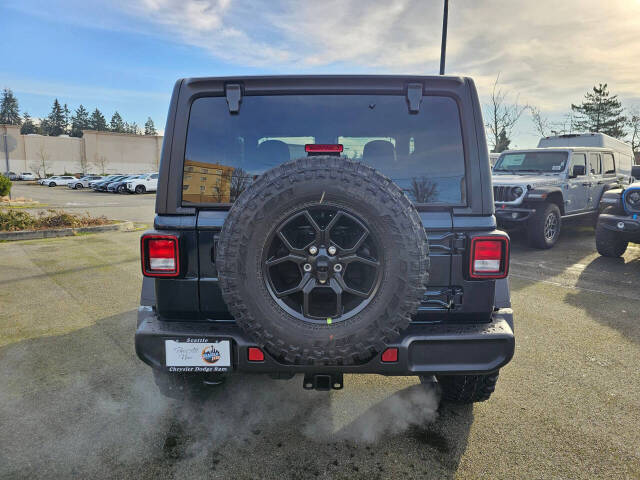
(322, 381)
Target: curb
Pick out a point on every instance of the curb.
(64, 232)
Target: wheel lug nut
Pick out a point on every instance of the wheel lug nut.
(306, 267)
(332, 250)
(337, 267)
(313, 250)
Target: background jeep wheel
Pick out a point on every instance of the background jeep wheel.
(140, 189)
(463, 389)
(609, 243)
(323, 261)
(543, 229)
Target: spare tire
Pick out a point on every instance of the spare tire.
(323, 260)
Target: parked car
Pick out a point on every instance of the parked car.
(121, 185)
(538, 188)
(44, 180)
(12, 176)
(101, 186)
(61, 180)
(103, 179)
(635, 172)
(321, 265)
(619, 222)
(145, 183)
(27, 176)
(83, 182)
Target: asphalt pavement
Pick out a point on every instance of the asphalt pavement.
(75, 402)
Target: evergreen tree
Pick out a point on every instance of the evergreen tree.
(502, 143)
(97, 121)
(9, 111)
(117, 124)
(132, 128)
(27, 125)
(600, 112)
(66, 114)
(44, 127)
(56, 121)
(149, 127)
(79, 121)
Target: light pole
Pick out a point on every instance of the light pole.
(443, 48)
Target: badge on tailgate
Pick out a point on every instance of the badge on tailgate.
(197, 355)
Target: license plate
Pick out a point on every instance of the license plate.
(203, 355)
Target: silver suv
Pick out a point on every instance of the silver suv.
(537, 188)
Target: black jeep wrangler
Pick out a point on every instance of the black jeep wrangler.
(324, 225)
(619, 222)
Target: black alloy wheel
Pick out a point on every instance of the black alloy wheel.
(322, 264)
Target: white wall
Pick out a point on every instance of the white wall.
(98, 151)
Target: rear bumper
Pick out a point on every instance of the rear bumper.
(422, 349)
(507, 215)
(625, 225)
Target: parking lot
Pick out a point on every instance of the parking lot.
(76, 402)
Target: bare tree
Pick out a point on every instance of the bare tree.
(540, 122)
(503, 115)
(240, 180)
(101, 162)
(423, 189)
(633, 123)
(84, 164)
(39, 167)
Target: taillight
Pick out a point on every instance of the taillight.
(489, 257)
(160, 255)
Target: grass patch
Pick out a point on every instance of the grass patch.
(12, 220)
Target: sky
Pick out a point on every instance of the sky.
(125, 55)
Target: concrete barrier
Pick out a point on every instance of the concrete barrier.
(64, 232)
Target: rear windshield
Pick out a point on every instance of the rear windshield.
(423, 153)
(551, 162)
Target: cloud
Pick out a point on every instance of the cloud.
(550, 52)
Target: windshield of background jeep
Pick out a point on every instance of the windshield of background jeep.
(550, 162)
(423, 153)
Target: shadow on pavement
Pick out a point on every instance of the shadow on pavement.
(618, 279)
(82, 405)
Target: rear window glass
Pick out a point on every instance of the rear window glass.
(423, 153)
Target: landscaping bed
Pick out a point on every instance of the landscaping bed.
(16, 224)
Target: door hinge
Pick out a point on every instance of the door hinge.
(449, 299)
(233, 91)
(459, 243)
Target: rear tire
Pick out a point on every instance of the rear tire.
(78, 186)
(122, 189)
(140, 189)
(609, 243)
(543, 229)
(183, 387)
(52, 184)
(465, 389)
